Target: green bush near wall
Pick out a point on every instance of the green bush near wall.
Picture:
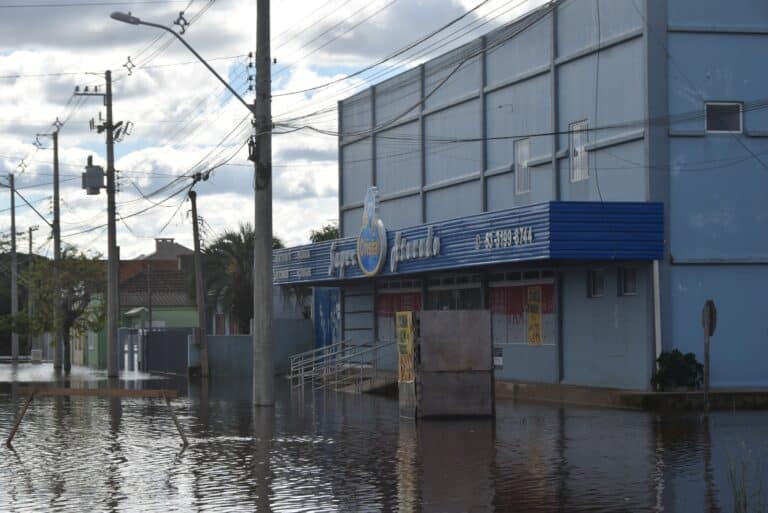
(676, 370)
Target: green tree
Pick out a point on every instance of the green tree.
(329, 231)
(83, 284)
(228, 272)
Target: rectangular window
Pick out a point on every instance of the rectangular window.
(627, 281)
(522, 171)
(596, 283)
(579, 159)
(724, 118)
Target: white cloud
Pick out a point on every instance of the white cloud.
(181, 113)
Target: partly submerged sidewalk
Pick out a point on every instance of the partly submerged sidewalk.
(720, 399)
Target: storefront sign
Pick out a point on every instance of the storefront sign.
(404, 249)
(372, 239)
(504, 238)
(556, 230)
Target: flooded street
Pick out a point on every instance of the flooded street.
(341, 452)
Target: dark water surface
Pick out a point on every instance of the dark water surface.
(339, 452)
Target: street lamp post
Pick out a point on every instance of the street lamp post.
(263, 366)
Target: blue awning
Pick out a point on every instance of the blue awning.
(556, 230)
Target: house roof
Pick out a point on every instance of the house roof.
(169, 288)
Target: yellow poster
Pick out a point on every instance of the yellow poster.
(405, 340)
(533, 309)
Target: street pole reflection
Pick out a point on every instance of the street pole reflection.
(263, 432)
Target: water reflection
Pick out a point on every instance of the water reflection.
(338, 452)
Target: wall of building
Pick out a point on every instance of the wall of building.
(738, 348)
(607, 341)
(232, 355)
(717, 184)
(453, 154)
(172, 317)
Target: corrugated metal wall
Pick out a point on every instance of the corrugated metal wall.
(443, 140)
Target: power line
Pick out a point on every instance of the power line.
(89, 4)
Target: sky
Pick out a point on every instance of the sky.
(183, 120)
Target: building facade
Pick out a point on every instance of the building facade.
(592, 172)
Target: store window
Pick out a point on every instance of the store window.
(596, 283)
(579, 159)
(627, 280)
(456, 292)
(522, 306)
(724, 118)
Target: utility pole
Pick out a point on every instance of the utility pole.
(30, 341)
(148, 337)
(113, 258)
(58, 353)
(261, 154)
(14, 272)
(202, 336)
(113, 267)
(263, 366)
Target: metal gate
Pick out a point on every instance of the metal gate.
(166, 351)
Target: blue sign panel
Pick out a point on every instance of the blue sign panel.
(545, 231)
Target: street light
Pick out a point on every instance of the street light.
(133, 20)
(263, 366)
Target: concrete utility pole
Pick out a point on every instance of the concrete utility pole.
(148, 336)
(14, 272)
(113, 255)
(58, 353)
(30, 341)
(263, 366)
(113, 266)
(202, 336)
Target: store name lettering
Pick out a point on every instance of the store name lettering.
(404, 249)
(340, 260)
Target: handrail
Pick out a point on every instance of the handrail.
(331, 365)
(314, 351)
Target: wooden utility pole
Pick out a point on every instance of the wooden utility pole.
(14, 272)
(202, 336)
(263, 366)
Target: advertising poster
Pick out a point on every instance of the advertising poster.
(534, 315)
(405, 341)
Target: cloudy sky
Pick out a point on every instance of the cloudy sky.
(183, 120)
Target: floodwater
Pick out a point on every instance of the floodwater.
(340, 452)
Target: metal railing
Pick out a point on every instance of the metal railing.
(306, 366)
(340, 365)
(357, 367)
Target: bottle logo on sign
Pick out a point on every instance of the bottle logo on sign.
(372, 240)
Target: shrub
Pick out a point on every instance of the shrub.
(675, 370)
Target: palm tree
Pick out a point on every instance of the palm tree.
(228, 271)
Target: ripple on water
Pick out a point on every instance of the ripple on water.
(351, 453)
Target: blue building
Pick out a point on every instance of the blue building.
(591, 173)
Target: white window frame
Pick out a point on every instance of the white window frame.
(578, 173)
(741, 118)
(522, 151)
